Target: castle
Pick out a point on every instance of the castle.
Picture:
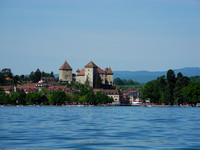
(89, 73)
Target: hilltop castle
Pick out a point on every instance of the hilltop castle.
(89, 73)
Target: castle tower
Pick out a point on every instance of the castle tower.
(109, 76)
(91, 73)
(65, 73)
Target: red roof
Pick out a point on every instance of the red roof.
(109, 71)
(58, 88)
(65, 66)
(100, 71)
(91, 65)
(10, 87)
(27, 89)
(9, 79)
(81, 73)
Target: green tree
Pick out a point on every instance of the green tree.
(22, 97)
(87, 83)
(181, 82)
(37, 75)
(16, 80)
(33, 98)
(2, 79)
(32, 76)
(130, 82)
(58, 98)
(15, 97)
(4, 98)
(151, 90)
(118, 81)
(102, 99)
(191, 93)
(7, 72)
(162, 88)
(171, 81)
(51, 74)
(98, 82)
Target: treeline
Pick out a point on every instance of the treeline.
(34, 77)
(124, 84)
(118, 81)
(172, 90)
(44, 97)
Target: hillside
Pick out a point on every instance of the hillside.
(145, 76)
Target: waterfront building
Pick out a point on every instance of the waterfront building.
(114, 93)
(88, 74)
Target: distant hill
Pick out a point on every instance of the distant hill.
(145, 76)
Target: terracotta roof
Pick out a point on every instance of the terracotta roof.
(58, 88)
(81, 73)
(65, 66)
(10, 87)
(115, 91)
(109, 71)
(27, 89)
(9, 79)
(100, 71)
(91, 65)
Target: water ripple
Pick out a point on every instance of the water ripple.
(99, 128)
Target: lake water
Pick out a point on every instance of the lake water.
(99, 128)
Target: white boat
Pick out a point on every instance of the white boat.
(136, 103)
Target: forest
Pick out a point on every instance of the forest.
(172, 89)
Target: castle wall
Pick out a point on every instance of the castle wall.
(109, 79)
(80, 79)
(91, 75)
(65, 75)
(103, 78)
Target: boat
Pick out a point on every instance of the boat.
(137, 102)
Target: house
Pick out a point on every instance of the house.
(134, 96)
(112, 93)
(8, 89)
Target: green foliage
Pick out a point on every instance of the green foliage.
(195, 79)
(15, 97)
(98, 83)
(118, 81)
(181, 82)
(191, 93)
(102, 99)
(22, 97)
(4, 98)
(2, 79)
(37, 75)
(58, 98)
(168, 90)
(7, 72)
(171, 81)
(87, 83)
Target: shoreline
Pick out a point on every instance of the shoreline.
(98, 106)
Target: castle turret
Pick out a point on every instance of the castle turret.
(91, 73)
(109, 76)
(65, 73)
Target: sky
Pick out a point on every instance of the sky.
(126, 35)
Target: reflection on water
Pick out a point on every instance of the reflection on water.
(99, 128)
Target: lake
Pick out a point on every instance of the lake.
(99, 128)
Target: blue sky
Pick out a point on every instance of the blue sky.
(132, 35)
